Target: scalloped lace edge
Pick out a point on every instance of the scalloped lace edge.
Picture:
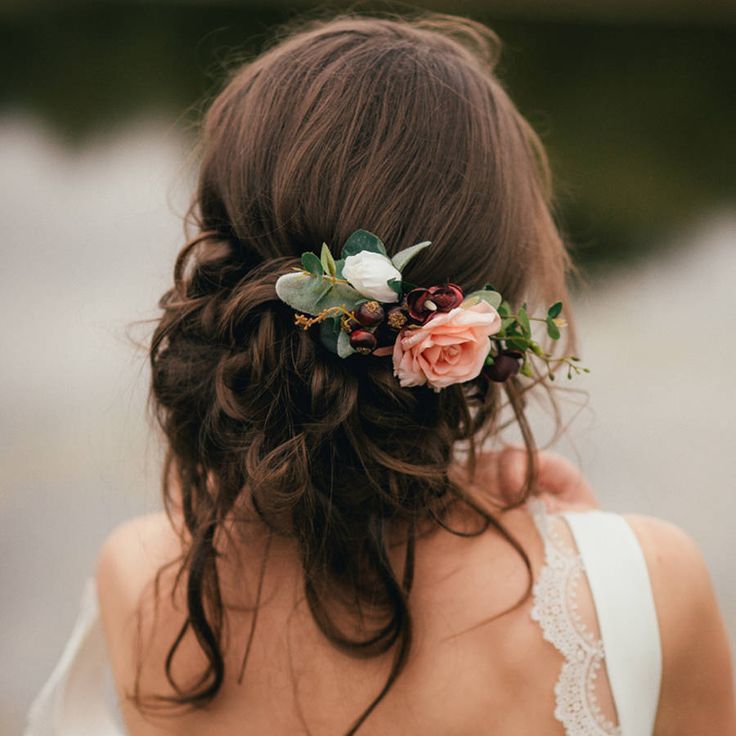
(554, 608)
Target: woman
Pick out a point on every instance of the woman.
(341, 552)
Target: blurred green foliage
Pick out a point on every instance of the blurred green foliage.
(639, 119)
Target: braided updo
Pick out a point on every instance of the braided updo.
(396, 126)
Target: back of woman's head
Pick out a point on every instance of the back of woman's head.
(399, 127)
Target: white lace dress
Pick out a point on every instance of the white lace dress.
(592, 600)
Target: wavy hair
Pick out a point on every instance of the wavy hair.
(398, 126)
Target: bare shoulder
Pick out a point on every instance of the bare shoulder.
(131, 555)
(126, 569)
(697, 680)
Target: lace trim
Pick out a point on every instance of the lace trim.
(555, 609)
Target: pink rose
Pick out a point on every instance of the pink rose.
(450, 347)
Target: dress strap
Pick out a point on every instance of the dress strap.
(621, 588)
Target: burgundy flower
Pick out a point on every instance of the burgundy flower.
(422, 303)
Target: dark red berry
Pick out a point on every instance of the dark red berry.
(396, 318)
(505, 365)
(363, 341)
(370, 314)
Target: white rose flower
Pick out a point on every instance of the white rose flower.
(368, 272)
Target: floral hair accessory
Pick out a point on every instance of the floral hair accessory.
(436, 335)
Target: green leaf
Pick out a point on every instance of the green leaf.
(507, 321)
(322, 293)
(489, 287)
(519, 343)
(328, 262)
(489, 359)
(526, 369)
(363, 240)
(552, 330)
(395, 284)
(344, 348)
(492, 297)
(312, 264)
(334, 338)
(329, 332)
(504, 309)
(312, 294)
(404, 256)
(339, 263)
(524, 321)
(554, 310)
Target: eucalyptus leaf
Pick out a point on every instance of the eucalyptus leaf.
(344, 348)
(313, 294)
(328, 262)
(334, 338)
(363, 240)
(329, 333)
(323, 291)
(312, 263)
(404, 256)
(554, 310)
(492, 297)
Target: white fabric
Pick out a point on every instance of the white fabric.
(619, 581)
(79, 697)
(557, 593)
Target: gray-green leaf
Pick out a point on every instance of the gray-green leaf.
(404, 256)
(334, 338)
(328, 262)
(312, 294)
(344, 348)
(363, 240)
(492, 297)
(311, 263)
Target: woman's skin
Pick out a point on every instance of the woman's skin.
(496, 678)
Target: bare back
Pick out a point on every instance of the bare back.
(499, 675)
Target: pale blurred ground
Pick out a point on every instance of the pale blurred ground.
(89, 238)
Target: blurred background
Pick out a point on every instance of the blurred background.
(99, 102)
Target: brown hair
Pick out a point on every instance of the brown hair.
(398, 126)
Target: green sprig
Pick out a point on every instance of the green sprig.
(516, 334)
